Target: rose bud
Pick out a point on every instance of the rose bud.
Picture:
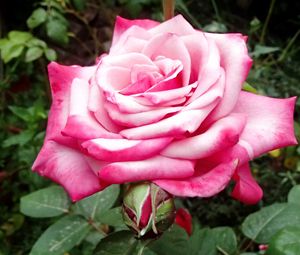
(184, 220)
(147, 209)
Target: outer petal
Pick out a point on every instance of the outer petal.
(80, 123)
(208, 182)
(124, 150)
(122, 25)
(269, 123)
(61, 78)
(236, 63)
(222, 134)
(246, 189)
(177, 25)
(69, 168)
(158, 167)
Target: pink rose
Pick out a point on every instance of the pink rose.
(164, 105)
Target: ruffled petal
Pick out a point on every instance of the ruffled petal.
(80, 123)
(115, 150)
(236, 63)
(158, 167)
(162, 97)
(122, 25)
(246, 188)
(170, 46)
(61, 78)
(177, 25)
(207, 183)
(96, 107)
(269, 123)
(69, 168)
(175, 126)
(199, 51)
(210, 69)
(221, 135)
(139, 119)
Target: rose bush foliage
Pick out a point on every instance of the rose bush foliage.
(164, 105)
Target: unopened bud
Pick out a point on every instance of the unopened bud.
(147, 209)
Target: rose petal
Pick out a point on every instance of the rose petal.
(170, 46)
(246, 188)
(158, 167)
(122, 25)
(139, 119)
(80, 123)
(198, 48)
(206, 184)
(96, 106)
(215, 92)
(177, 25)
(124, 150)
(269, 123)
(222, 134)
(68, 168)
(161, 97)
(236, 63)
(209, 70)
(61, 78)
(174, 126)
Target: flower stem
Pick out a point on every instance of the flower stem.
(264, 30)
(168, 7)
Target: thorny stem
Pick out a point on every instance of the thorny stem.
(168, 7)
(264, 30)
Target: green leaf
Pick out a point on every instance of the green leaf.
(19, 139)
(112, 217)
(33, 54)
(225, 239)
(262, 225)
(212, 241)
(10, 51)
(174, 241)
(19, 37)
(48, 202)
(118, 243)
(249, 88)
(21, 112)
(92, 207)
(79, 4)
(61, 236)
(94, 237)
(50, 54)
(263, 50)
(294, 195)
(37, 18)
(36, 42)
(201, 242)
(285, 242)
(57, 31)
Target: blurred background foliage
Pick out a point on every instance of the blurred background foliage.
(34, 32)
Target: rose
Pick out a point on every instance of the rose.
(164, 105)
